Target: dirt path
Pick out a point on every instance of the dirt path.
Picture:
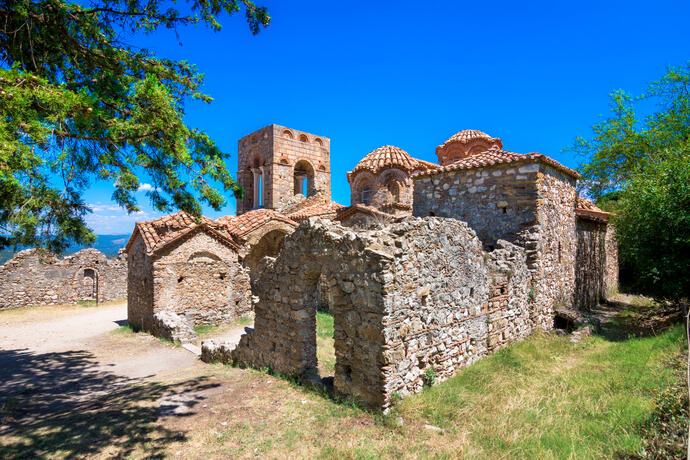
(54, 361)
(64, 333)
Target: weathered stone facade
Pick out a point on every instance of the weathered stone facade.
(192, 270)
(497, 202)
(33, 277)
(382, 180)
(522, 199)
(415, 295)
(597, 256)
(276, 163)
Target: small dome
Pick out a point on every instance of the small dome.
(389, 156)
(467, 135)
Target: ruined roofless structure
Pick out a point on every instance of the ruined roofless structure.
(442, 263)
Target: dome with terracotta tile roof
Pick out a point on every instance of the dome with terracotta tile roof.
(390, 156)
(466, 143)
(468, 135)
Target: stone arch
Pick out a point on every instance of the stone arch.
(287, 133)
(284, 335)
(318, 141)
(304, 171)
(303, 138)
(363, 188)
(269, 245)
(255, 162)
(203, 257)
(87, 280)
(395, 182)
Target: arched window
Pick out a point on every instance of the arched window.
(287, 133)
(303, 138)
(304, 178)
(394, 190)
(366, 195)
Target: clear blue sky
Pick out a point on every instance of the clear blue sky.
(411, 74)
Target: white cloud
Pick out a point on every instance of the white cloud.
(146, 188)
(113, 220)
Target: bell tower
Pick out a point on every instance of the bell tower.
(275, 163)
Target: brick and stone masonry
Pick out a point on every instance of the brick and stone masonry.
(523, 201)
(187, 268)
(415, 295)
(596, 270)
(275, 163)
(33, 277)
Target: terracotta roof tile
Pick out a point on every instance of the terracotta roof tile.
(251, 220)
(319, 209)
(587, 210)
(495, 157)
(390, 156)
(346, 211)
(158, 233)
(467, 135)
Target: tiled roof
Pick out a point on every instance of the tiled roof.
(390, 156)
(251, 220)
(319, 209)
(346, 211)
(467, 135)
(158, 233)
(587, 210)
(494, 157)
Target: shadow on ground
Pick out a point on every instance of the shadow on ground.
(618, 320)
(62, 404)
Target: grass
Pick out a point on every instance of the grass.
(325, 351)
(549, 398)
(544, 397)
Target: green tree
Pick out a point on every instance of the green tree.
(639, 169)
(79, 103)
(653, 228)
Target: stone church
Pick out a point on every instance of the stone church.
(432, 265)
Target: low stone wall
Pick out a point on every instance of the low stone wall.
(415, 297)
(34, 277)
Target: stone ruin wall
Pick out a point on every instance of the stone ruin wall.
(284, 334)
(33, 277)
(202, 280)
(553, 278)
(497, 202)
(198, 278)
(591, 257)
(450, 303)
(531, 205)
(418, 294)
(597, 263)
(139, 287)
(611, 270)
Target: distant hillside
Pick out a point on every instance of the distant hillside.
(107, 244)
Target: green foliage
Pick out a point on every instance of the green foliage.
(654, 228)
(639, 170)
(429, 376)
(623, 145)
(79, 104)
